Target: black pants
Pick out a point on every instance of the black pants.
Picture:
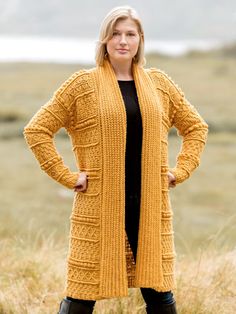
(132, 214)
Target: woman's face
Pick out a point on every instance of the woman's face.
(124, 44)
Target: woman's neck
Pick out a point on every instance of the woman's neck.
(123, 71)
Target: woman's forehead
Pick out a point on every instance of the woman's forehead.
(127, 23)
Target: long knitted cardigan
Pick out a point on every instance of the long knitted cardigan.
(90, 106)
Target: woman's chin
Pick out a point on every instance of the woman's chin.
(122, 58)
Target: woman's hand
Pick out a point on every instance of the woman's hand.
(171, 179)
(81, 184)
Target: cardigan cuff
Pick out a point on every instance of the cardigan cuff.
(180, 174)
(69, 180)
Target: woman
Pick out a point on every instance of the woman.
(118, 115)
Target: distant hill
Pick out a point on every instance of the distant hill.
(229, 50)
(226, 51)
(163, 19)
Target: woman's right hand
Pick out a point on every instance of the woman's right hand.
(81, 184)
(171, 179)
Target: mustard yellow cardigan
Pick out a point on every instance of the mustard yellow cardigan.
(90, 106)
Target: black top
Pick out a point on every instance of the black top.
(134, 136)
(132, 162)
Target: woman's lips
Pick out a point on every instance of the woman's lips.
(122, 50)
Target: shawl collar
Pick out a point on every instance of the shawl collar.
(113, 127)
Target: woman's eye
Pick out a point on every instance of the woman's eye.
(115, 33)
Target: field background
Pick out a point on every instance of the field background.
(34, 210)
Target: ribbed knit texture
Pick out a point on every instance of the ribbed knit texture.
(90, 106)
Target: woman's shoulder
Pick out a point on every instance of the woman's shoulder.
(162, 79)
(78, 82)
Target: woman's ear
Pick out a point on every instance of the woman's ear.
(106, 53)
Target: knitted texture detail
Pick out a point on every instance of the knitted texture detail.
(90, 106)
(178, 112)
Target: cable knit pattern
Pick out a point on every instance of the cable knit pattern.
(90, 106)
(183, 116)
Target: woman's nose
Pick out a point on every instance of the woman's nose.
(123, 39)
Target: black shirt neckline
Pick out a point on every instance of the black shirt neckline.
(125, 81)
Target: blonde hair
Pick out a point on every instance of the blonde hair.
(106, 31)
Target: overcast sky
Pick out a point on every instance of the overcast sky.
(163, 19)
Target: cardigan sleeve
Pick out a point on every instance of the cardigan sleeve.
(39, 133)
(191, 127)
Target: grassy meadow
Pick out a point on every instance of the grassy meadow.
(34, 210)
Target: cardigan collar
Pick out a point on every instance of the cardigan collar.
(113, 136)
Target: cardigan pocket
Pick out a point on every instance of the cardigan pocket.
(93, 186)
(87, 203)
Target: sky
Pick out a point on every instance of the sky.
(162, 19)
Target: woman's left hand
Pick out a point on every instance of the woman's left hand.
(172, 180)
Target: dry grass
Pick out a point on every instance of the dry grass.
(33, 273)
(207, 285)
